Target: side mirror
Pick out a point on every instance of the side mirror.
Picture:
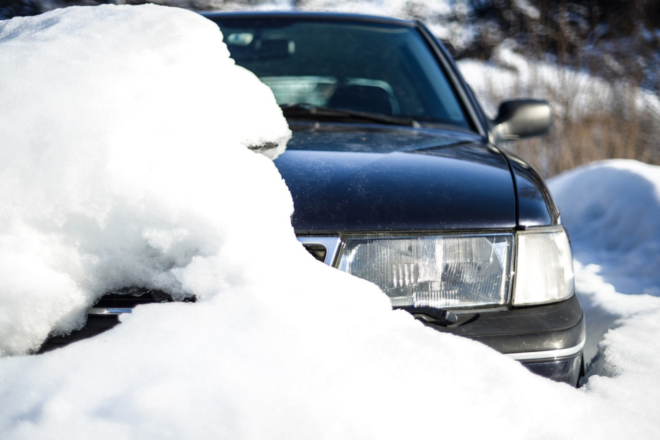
(522, 118)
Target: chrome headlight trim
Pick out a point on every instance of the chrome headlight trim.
(331, 244)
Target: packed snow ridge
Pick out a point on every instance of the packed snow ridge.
(120, 130)
(125, 162)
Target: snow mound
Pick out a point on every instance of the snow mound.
(115, 146)
(611, 209)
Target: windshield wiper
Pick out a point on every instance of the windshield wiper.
(311, 110)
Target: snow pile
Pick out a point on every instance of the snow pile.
(616, 221)
(114, 148)
(134, 172)
(611, 211)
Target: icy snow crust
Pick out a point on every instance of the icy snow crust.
(125, 162)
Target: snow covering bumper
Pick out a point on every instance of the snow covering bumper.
(547, 339)
(105, 314)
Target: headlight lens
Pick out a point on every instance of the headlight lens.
(434, 271)
(544, 267)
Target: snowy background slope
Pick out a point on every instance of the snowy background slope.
(611, 210)
(153, 189)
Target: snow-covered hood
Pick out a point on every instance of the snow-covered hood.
(396, 180)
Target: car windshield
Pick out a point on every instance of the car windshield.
(367, 67)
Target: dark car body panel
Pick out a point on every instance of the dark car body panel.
(433, 190)
(540, 328)
(373, 138)
(568, 369)
(307, 15)
(535, 204)
(352, 177)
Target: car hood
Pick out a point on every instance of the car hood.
(398, 180)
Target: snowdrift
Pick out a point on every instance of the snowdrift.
(125, 162)
(611, 210)
(119, 128)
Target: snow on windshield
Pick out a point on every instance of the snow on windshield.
(125, 163)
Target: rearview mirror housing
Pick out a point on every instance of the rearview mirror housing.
(522, 118)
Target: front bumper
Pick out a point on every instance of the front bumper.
(567, 370)
(547, 339)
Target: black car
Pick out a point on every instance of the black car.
(397, 178)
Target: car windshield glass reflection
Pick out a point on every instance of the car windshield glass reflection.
(362, 67)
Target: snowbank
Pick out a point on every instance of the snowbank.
(611, 210)
(119, 129)
(126, 164)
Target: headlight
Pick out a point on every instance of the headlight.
(434, 271)
(544, 267)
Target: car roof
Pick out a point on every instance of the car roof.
(305, 15)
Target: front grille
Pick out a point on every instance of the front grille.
(318, 251)
(96, 324)
(130, 297)
(104, 315)
(323, 248)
